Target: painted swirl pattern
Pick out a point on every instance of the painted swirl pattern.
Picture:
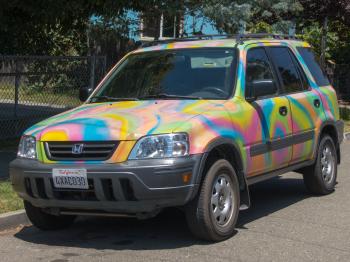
(203, 120)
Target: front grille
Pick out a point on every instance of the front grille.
(87, 150)
(75, 194)
(100, 189)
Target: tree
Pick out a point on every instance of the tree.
(109, 37)
(319, 10)
(52, 27)
(225, 15)
(228, 16)
(323, 12)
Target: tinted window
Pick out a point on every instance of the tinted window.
(305, 83)
(311, 62)
(287, 69)
(259, 73)
(205, 73)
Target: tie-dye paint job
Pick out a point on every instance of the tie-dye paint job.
(203, 120)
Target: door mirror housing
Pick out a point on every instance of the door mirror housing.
(260, 88)
(84, 93)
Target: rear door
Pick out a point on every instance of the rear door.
(305, 102)
(273, 110)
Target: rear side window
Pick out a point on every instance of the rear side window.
(311, 62)
(287, 69)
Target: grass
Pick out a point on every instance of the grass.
(9, 201)
(346, 126)
(345, 116)
(66, 99)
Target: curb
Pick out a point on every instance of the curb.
(13, 219)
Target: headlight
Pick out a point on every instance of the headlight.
(160, 146)
(27, 147)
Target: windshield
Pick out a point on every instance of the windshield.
(172, 74)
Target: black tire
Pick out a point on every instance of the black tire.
(316, 177)
(200, 213)
(45, 221)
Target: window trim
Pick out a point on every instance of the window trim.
(274, 75)
(301, 73)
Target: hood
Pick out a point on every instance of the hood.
(127, 120)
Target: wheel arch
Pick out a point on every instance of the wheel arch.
(329, 128)
(225, 148)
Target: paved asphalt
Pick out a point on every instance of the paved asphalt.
(285, 223)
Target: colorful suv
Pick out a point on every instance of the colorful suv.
(189, 123)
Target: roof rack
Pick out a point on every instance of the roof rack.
(187, 38)
(239, 38)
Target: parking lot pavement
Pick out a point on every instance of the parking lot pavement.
(285, 223)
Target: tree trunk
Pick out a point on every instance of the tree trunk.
(324, 42)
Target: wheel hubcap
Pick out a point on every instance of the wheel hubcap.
(222, 200)
(327, 164)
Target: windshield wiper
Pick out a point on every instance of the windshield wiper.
(110, 98)
(167, 96)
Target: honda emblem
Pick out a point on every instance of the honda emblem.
(77, 149)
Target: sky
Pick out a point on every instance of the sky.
(207, 28)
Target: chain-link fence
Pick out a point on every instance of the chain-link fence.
(341, 81)
(35, 87)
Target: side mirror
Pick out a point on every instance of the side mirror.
(260, 88)
(84, 93)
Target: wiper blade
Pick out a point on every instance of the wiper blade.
(167, 96)
(110, 98)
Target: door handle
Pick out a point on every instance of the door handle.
(283, 111)
(317, 102)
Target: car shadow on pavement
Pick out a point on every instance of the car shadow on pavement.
(166, 231)
(272, 195)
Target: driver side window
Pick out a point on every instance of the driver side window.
(259, 77)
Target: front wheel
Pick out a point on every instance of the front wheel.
(45, 221)
(320, 178)
(213, 213)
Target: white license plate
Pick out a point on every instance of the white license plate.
(70, 178)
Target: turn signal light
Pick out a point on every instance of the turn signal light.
(186, 177)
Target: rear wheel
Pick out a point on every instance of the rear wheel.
(320, 178)
(45, 221)
(213, 214)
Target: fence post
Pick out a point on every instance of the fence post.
(17, 83)
(92, 71)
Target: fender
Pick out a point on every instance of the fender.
(244, 190)
(338, 126)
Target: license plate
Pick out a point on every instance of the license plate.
(70, 178)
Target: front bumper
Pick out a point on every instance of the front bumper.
(131, 187)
